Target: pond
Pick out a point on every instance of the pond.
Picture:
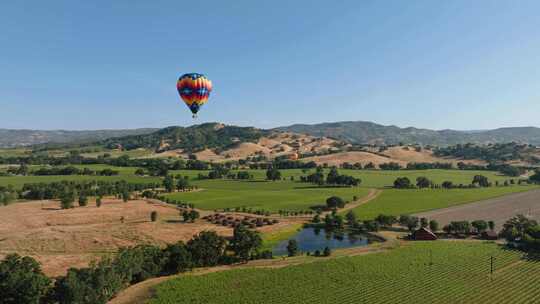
(311, 239)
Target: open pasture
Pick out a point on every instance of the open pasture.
(459, 273)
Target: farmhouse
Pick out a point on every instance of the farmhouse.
(424, 234)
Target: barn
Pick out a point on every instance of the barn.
(424, 234)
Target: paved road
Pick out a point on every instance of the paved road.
(497, 209)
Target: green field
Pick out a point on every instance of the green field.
(293, 195)
(259, 194)
(397, 202)
(459, 274)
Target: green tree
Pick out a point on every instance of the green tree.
(479, 225)
(402, 183)
(177, 258)
(206, 248)
(98, 201)
(327, 251)
(422, 182)
(125, 196)
(433, 225)
(273, 174)
(292, 247)
(351, 218)
(83, 200)
(481, 181)
(245, 242)
(332, 177)
(21, 280)
(182, 183)
(66, 200)
(334, 202)
(168, 183)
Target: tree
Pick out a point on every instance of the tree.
(182, 183)
(206, 248)
(327, 251)
(481, 181)
(514, 229)
(334, 202)
(177, 258)
(402, 183)
(332, 177)
(245, 242)
(447, 184)
(153, 216)
(292, 248)
(479, 225)
(125, 196)
(422, 182)
(168, 183)
(21, 280)
(385, 220)
(433, 225)
(351, 218)
(83, 200)
(140, 172)
(273, 174)
(66, 200)
(491, 225)
(424, 222)
(535, 178)
(190, 216)
(98, 201)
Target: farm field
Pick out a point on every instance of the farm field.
(459, 274)
(401, 201)
(272, 196)
(293, 195)
(497, 209)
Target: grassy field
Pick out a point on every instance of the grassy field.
(459, 274)
(397, 202)
(259, 194)
(293, 195)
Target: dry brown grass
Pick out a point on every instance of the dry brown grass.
(60, 239)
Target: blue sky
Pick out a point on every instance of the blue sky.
(114, 64)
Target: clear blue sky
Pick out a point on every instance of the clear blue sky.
(114, 64)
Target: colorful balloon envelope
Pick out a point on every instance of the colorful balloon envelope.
(194, 89)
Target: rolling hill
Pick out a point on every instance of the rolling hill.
(363, 132)
(19, 138)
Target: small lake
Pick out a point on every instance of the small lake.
(311, 239)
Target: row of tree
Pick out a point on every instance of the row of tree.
(22, 280)
(333, 178)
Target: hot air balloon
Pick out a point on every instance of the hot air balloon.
(194, 89)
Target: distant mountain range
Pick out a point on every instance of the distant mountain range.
(364, 132)
(17, 138)
(358, 132)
